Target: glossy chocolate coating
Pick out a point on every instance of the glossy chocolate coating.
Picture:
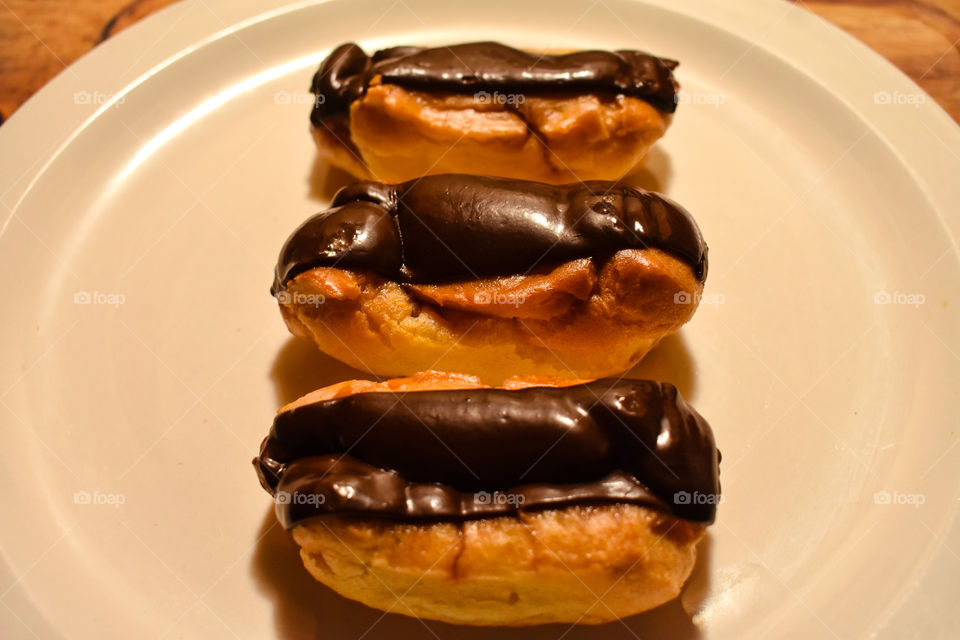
(436, 454)
(460, 227)
(492, 67)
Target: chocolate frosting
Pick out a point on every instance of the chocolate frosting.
(492, 67)
(453, 227)
(460, 454)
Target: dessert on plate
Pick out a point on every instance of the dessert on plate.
(533, 502)
(491, 276)
(487, 108)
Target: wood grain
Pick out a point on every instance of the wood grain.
(921, 37)
(38, 38)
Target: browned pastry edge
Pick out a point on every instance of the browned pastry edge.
(390, 329)
(580, 564)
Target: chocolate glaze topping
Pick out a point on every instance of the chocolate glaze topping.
(459, 227)
(461, 454)
(490, 66)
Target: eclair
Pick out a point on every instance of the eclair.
(534, 502)
(487, 108)
(491, 276)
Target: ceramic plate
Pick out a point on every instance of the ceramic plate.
(147, 191)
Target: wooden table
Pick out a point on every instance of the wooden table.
(38, 38)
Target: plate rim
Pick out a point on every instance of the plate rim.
(18, 130)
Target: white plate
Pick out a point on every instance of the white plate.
(160, 174)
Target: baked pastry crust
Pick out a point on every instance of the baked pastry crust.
(395, 134)
(576, 321)
(579, 564)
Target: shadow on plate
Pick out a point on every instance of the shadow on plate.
(655, 173)
(325, 179)
(300, 367)
(670, 361)
(306, 610)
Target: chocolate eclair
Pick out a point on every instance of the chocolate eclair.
(487, 108)
(491, 276)
(534, 502)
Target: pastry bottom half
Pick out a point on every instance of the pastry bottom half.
(582, 564)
